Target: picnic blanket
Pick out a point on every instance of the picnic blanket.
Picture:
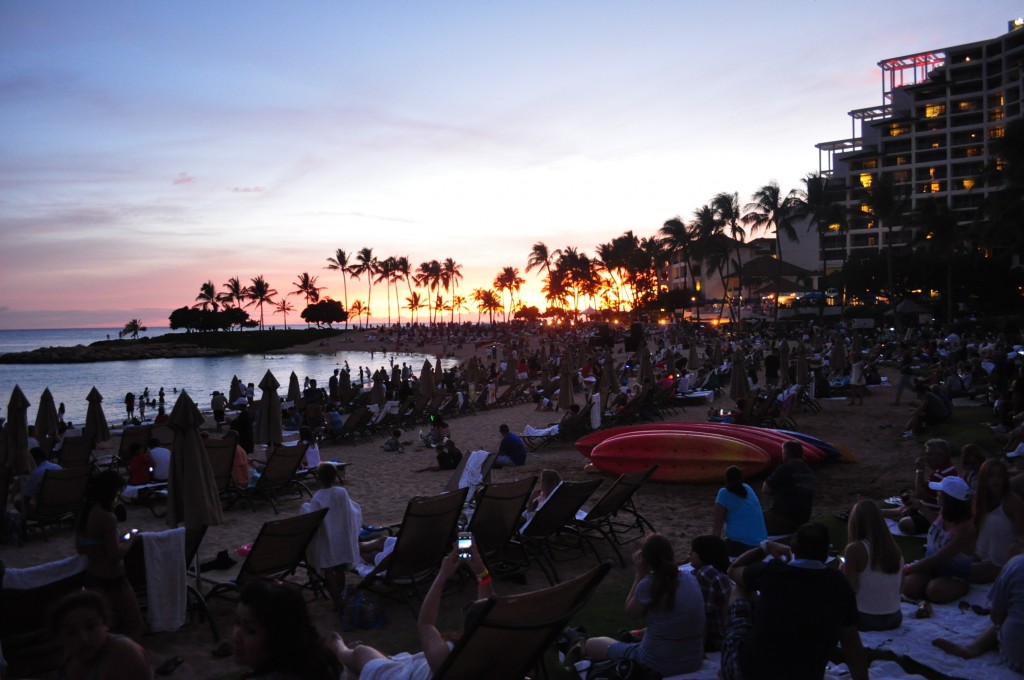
(914, 639)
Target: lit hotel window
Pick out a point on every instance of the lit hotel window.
(833, 227)
(934, 110)
(865, 180)
(968, 183)
(936, 187)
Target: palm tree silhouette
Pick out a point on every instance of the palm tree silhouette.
(341, 263)
(258, 293)
(282, 307)
(769, 209)
(132, 328)
(365, 265)
(452, 272)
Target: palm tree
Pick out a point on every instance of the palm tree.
(258, 293)
(727, 208)
(207, 297)
(815, 202)
(886, 202)
(384, 271)
(340, 263)
(679, 238)
(234, 292)
(541, 258)
(459, 304)
(428, 275)
(508, 279)
(941, 240)
(366, 264)
(356, 310)
(769, 209)
(305, 285)
(452, 273)
(414, 303)
(402, 272)
(132, 328)
(282, 307)
(486, 302)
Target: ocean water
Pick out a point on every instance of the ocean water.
(70, 383)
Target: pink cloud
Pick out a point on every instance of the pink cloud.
(184, 178)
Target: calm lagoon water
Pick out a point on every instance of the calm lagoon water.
(70, 383)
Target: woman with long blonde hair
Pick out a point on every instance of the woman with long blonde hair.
(874, 567)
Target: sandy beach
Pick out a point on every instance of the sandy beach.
(383, 482)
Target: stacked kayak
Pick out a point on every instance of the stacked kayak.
(696, 452)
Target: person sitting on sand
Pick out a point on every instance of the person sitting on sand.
(874, 567)
(803, 610)
(359, 658)
(738, 510)
(710, 562)
(931, 411)
(791, 486)
(917, 513)
(1006, 609)
(511, 450)
(672, 607)
(275, 637)
(944, 573)
(140, 464)
(33, 484)
(999, 517)
(80, 623)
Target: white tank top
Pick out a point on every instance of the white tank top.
(878, 592)
(995, 537)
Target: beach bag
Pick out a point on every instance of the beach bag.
(360, 609)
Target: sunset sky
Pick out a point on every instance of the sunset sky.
(146, 147)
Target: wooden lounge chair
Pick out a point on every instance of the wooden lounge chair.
(129, 436)
(554, 522)
(497, 515)
(425, 536)
(221, 453)
(278, 552)
(527, 624)
(454, 482)
(74, 452)
(61, 495)
(278, 477)
(614, 516)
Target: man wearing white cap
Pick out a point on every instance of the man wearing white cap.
(945, 572)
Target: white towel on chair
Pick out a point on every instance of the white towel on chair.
(471, 474)
(43, 574)
(165, 579)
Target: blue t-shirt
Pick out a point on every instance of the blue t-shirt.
(513, 447)
(32, 485)
(744, 521)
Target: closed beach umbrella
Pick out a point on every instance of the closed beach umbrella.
(427, 379)
(511, 377)
(717, 355)
(565, 397)
(692, 362)
(396, 376)
(47, 422)
(646, 373)
(837, 359)
(438, 374)
(294, 392)
(608, 383)
(18, 457)
(803, 374)
(268, 427)
(738, 387)
(192, 495)
(96, 428)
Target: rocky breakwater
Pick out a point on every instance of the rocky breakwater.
(112, 351)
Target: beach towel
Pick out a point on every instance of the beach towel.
(472, 475)
(165, 579)
(337, 540)
(43, 574)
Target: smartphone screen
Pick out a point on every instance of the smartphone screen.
(464, 544)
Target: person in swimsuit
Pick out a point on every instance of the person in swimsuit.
(98, 538)
(81, 624)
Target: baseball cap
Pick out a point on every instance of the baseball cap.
(1017, 452)
(952, 486)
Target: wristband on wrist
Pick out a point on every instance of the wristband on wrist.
(484, 580)
(483, 576)
(764, 546)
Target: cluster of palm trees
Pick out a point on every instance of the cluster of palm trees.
(630, 272)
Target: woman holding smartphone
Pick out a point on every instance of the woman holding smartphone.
(104, 546)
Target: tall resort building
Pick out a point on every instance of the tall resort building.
(931, 136)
